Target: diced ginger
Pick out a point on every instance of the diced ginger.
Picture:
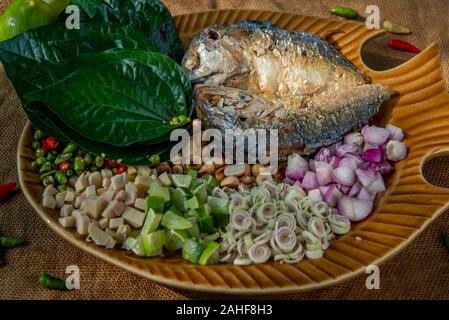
(103, 223)
(140, 204)
(98, 236)
(108, 196)
(77, 212)
(72, 181)
(59, 199)
(106, 173)
(131, 197)
(120, 196)
(142, 184)
(100, 191)
(118, 182)
(69, 196)
(82, 224)
(94, 179)
(67, 222)
(125, 177)
(110, 232)
(133, 217)
(121, 233)
(116, 222)
(81, 183)
(90, 191)
(114, 209)
(49, 202)
(50, 190)
(131, 187)
(66, 211)
(79, 201)
(132, 173)
(106, 183)
(94, 206)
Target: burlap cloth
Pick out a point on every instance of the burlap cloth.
(419, 271)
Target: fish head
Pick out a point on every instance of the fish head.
(213, 56)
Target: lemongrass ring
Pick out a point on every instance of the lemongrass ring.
(264, 237)
(320, 209)
(315, 254)
(310, 239)
(237, 202)
(286, 220)
(285, 239)
(259, 253)
(316, 226)
(339, 224)
(242, 261)
(266, 212)
(240, 220)
(303, 218)
(241, 248)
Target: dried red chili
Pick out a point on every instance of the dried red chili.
(403, 45)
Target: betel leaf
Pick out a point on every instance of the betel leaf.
(30, 54)
(150, 17)
(120, 103)
(37, 116)
(131, 155)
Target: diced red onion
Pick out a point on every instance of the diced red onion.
(344, 176)
(377, 185)
(342, 149)
(369, 146)
(355, 138)
(334, 162)
(315, 195)
(343, 189)
(383, 168)
(396, 150)
(297, 167)
(348, 162)
(375, 135)
(372, 155)
(395, 132)
(323, 189)
(365, 176)
(310, 181)
(312, 164)
(323, 155)
(286, 180)
(355, 189)
(365, 195)
(354, 209)
(323, 173)
(332, 195)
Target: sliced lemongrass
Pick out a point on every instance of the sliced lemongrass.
(339, 224)
(280, 257)
(241, 248)
(242, 261)
(286, 220)
(285, 239)
(291, 206)
(259, 253)
(241, 220)
(266, 212)
(237, 202)
(303, 218)
(311, 240)
(315, 254)
(320, 209)
(316, 226)
(264, 237)
(219, 193)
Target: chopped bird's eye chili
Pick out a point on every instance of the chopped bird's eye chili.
(347, 13)
(392, 27)
(110, 164)
(50, 282)
(49, 144)
(121, 168)
(10, 242)
(403, 45)
(6, 189)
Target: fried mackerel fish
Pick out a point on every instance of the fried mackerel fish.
(255, 75)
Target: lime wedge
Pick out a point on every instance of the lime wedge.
(157, 190)
(164, 178)
(218, 205)
(179, 199)
(206, 224)
(211, 182)
(174, 209)
(176, 239)
(220, 220)
(181, 180)
(194, 230)
(151, 223)
(154, 242)
(137, 248)
(156, 202)
(185, 191)
(193, 203)
(204, 210)
(191, 250)
(192, 213)
(201, 193)
(210, 254)
(171, 220)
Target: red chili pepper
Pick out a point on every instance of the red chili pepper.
(121, 168)
(63, 167)
(6, 189)
(403, 45)
(110, 164)
(49, 144)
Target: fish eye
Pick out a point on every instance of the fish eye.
(214, 35)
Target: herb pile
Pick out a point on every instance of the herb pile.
(113, 87)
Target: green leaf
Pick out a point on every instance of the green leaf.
(148, 16)
(120, 103)
(31, 54)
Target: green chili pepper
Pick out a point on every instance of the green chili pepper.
(45, 167)
(347, 13)
(49, 173)
(40, 153)
(63, 157)
(99, 161)
(34, 165)
(35, 145)
(39, 135)
(52, 155)
(48, 180)
(88, 159)
(60, 178)
(23, 15)
(79, 172)
(154, 159)
(79, 164)
(62, 187)
(445, 239)
(40, 161)
(70, 148)
(10, 242)
(69, 173)
(50, 282)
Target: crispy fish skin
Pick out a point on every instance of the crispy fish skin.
(254, 75)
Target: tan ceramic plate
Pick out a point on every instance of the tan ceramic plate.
(407, 206)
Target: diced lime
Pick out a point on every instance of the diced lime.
(152, 221)
(176, 239)
(210, 254)
(192, 213)
(218, 205)
(171, 220)
(191, 250)
(156, 202)
(137, 249)
(154, 242)
(201, 193)
(211, 182)
(204, 210)
(193, 203)
(206, 224)
(165, 179)
(174, 209)
(192, 173)
(181, 180)
(129, 243)
(157, 190)
(179, 199)
(186, 192)
(220, 220)
(193, 231)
